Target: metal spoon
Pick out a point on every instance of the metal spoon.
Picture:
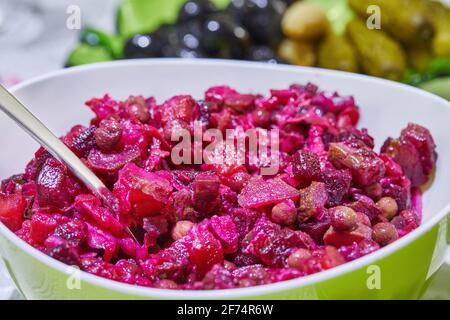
(10, 105)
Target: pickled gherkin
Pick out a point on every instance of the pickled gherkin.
(378, 54)
(405, 20)
(336, 52)
(439, 16)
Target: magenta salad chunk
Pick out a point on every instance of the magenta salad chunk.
(195, 209)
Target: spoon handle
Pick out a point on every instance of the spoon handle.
(36, 129)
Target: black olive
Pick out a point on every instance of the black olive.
(166, 32)
(195, 9)
(263, 54)
(143, 46)
(223, 37)
(262, 19)
(189, 34)
(174, 51)
(288, 2)
(183, 40)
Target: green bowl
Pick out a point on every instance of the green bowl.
(400, 270)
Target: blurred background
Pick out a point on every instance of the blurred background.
(401, 40)
(34, 38)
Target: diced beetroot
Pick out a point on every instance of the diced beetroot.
(104, 107)
(155, 227)
(80, 140)
(224, 230)
(284, 95)
(99, 239)
(205, 250)
(90, 208)
(358, 250)
(316, 228)
(35, 165)
(74, 232)
(180, 206)
(143, 192)
(242, 259)
(129, 247)
(218, 94)
(97, 266)
(244, 220)
(332, 102)
(179, 108)
(421, 138)
(222, 120)
(65, 254)
(206, 193)
(259, 192)
(43, 224)
(406, 155)
(12, 208)
(309, 89)
(414, 151)
(252, 276)
(12, 184)
(346, 238)
(305, 167)
(171, 263)
(110, 163)
(52, 185)
(404, 225)
(260, 118)
(399, 189)
(239, 102)
(237, 180)
(291, 141)
(349, 117)
(273, 244)
(136, 134)
(366, 206)
(331, 257)
(218, 278)
(365, 166)
(228, 200)
(337, 183)
(314, 142)
(393, 169)
(411, 217)
(283, 274)
(128, 271)
(322, 259)
(356, 134)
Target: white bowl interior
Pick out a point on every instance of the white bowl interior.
(386, 107)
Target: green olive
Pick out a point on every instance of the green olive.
(304, 21)
(297, 52)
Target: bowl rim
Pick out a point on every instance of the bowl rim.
(267, 289)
